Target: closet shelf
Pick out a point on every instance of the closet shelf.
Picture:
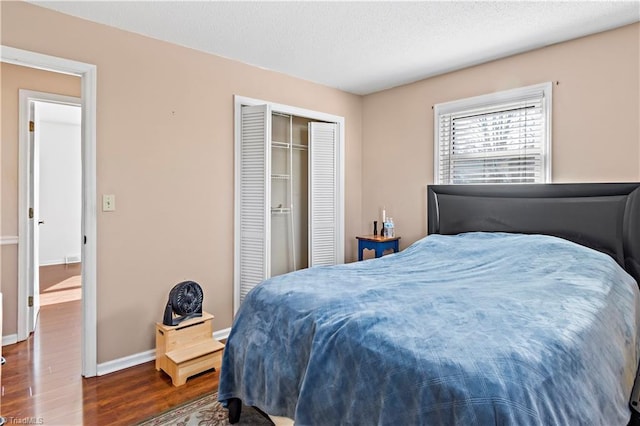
(285, 145)
(280, 210)
(279, 176)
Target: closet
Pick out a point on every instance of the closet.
(288, 192)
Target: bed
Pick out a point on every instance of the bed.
(521, 307)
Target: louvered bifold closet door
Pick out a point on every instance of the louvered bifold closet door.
(323, 201)
(254, 198)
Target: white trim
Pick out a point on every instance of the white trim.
(88, 74)
(89, 223)
(58, 262)
(222, 334)
(26, 58)
(5, 241)
(287, 109)
(126, 362)
(340, 161)
(10, 339)
(142, 357)
(483, 101)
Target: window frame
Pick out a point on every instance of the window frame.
(491, 100)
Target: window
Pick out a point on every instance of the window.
(502, 137)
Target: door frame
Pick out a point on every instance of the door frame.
(239, 101)
(25, 115)
(88, 75)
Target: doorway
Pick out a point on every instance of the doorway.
(57, 263)
(88, 75)
(53, 190)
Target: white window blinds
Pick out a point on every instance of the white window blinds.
(498, 138)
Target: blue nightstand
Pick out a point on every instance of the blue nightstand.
(379, 244)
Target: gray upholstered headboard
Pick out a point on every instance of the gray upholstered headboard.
(602, 216)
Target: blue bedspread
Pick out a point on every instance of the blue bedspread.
(474, 329)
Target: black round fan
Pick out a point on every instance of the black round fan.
(185, 301)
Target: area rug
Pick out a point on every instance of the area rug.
(206, 411)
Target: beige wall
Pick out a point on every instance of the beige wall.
(13, 78)
(165, 149)
(596, 121)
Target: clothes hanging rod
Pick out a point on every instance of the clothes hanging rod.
(285, 145)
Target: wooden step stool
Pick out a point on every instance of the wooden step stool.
(187, 349)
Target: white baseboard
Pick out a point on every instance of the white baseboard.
(74, 258)
(126, 362)
(221, 334)
(52, 262)
(65, 261)
(142, 357)
(10, 339)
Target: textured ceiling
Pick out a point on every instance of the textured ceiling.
(359, 47)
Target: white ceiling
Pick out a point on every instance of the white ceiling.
(360, 47)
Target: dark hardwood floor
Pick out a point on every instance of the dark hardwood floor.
(42, 380)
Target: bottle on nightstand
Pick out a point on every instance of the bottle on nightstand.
(389, 230)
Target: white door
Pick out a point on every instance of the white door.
(323, 194)
(34, 219)
(252, 262)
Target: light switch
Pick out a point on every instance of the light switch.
(108, 202)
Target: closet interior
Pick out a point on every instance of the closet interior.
(289, 193)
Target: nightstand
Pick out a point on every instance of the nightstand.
(377, 243)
